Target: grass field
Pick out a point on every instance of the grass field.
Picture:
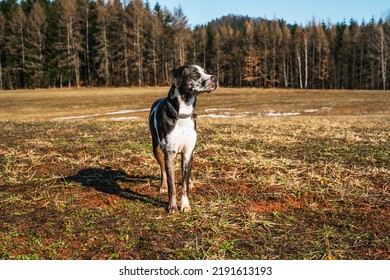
(278, 174)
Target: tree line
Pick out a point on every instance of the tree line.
(74, 43)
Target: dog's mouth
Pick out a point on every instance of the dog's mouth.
(212, 87)
(208, 90)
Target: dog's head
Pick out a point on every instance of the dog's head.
(193, 78)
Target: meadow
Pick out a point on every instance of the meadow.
(278, 174)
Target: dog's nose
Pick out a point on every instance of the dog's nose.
(214, 78)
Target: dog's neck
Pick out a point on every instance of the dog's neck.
(181, 105)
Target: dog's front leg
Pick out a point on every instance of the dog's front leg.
(170, 170)
(186, 163)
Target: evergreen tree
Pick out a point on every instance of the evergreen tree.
(16, 50)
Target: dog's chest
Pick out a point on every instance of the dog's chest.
(183, 136)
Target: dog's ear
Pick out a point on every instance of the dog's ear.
(177, 76)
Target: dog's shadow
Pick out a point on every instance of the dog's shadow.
(107, 181)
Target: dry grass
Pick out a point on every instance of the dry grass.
(313, 186)
(98, 103)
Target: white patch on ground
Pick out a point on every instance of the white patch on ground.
(219, 109)
(226, 114)
(222, 116)
(311, 110)
(273, 113)
(122, 112)
(76, 117)
(123, 118)
(126, 112)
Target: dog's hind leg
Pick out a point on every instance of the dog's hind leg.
(158, 153)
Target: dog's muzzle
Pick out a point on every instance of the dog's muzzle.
(214, 83)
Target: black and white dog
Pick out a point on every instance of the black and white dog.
(173, 128)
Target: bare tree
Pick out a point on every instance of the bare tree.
(251, 67)
(102, 56)
(323, 51)
(2, 30)
(306, 54)
(263, 46)
(298, 52)
(285, 49)
(35, 35)
(356, 38)
(85, 29)
(203, 41)
(379, 50)
(69, 45)
(120, 44)
(157, 37)
(182, 34)
(137, 14)
(276, 37)
(218, 53)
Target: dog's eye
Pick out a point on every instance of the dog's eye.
(194, 74)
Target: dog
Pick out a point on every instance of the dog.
(172, 123)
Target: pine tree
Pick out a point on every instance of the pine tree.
(16, 50)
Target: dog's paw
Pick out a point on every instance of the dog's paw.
(186, 209)
(185, 204)
(172, 209)
(163, 188)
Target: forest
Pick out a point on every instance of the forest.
(83, 43)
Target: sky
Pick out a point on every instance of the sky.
(293, 11)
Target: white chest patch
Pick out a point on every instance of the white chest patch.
(184, 109)
(182, 138)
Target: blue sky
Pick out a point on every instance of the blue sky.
(299, 11)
